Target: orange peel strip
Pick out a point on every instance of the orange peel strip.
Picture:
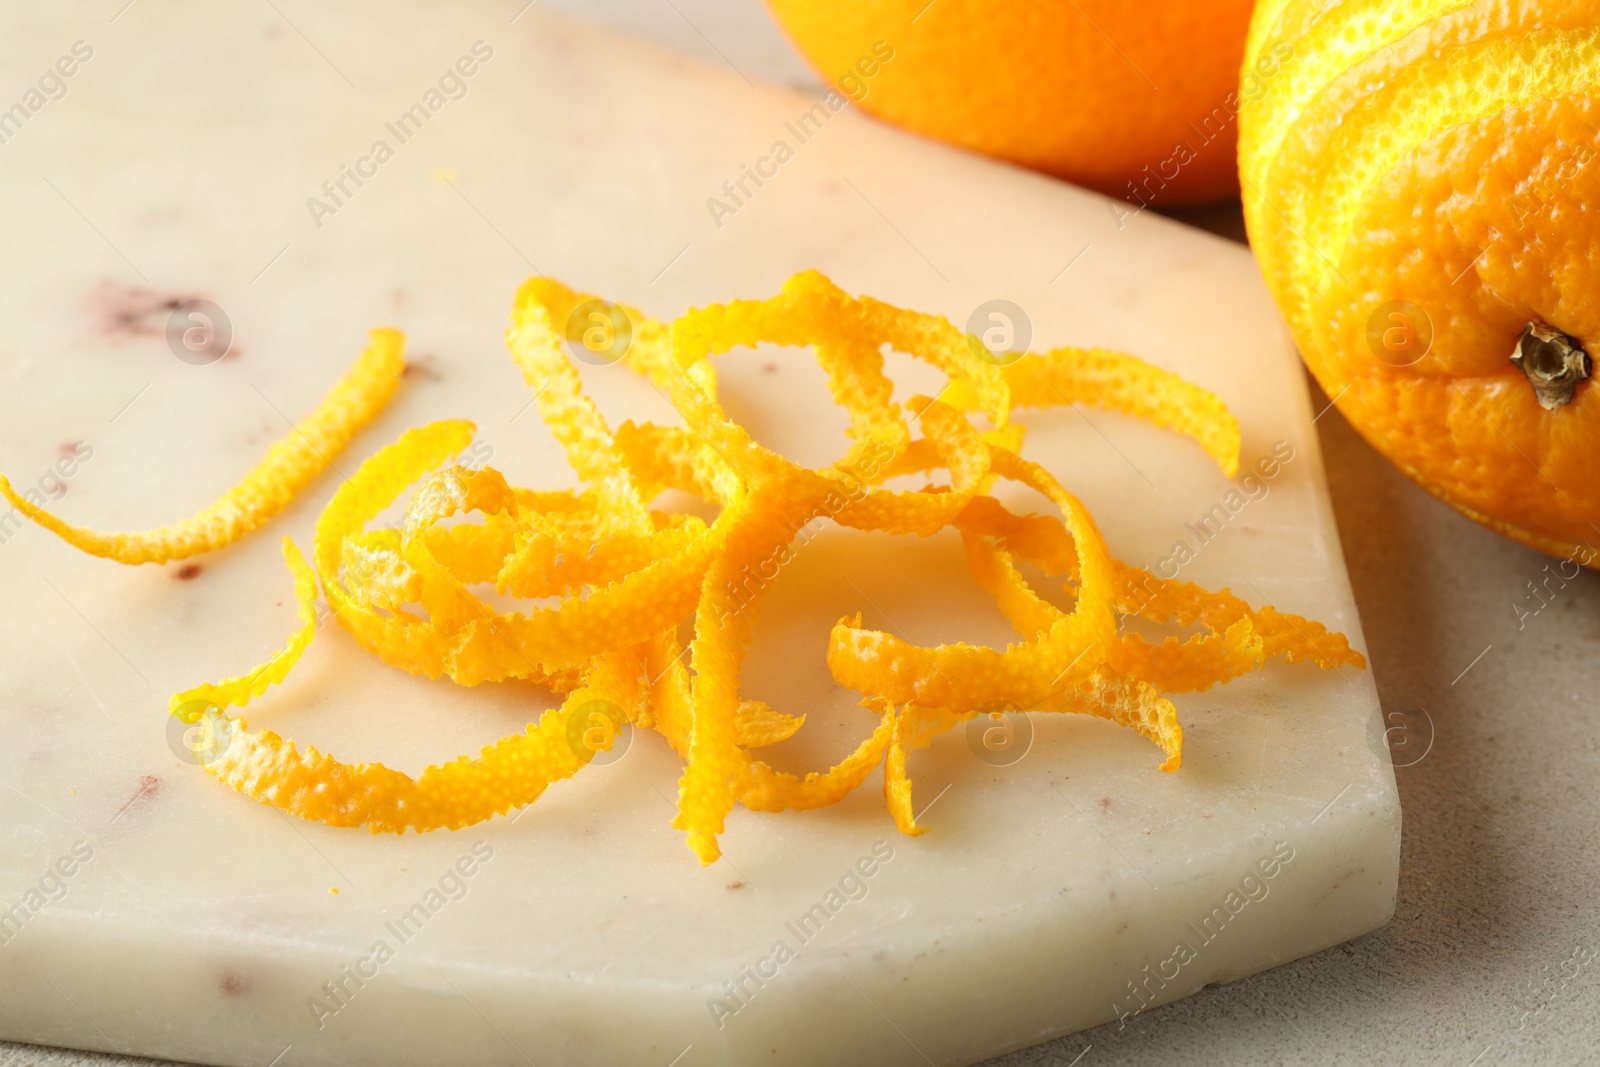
(1114, 381)
(757, 785)
(847, 333)
(723, 630)
(1103, 693)
(1126, 701)
(912, 731)
(1239, 641)
(1129, 385)
(650, 351)
(510, 773)
(966, 676)
(538, 351)
(289, 465)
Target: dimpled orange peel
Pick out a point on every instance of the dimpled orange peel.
(606, 578)
(1420, 186)
(289, 465)
(1113, 95)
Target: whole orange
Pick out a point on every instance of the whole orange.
(1422, 189)
(1138, 100)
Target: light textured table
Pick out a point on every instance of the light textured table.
(1488, 958)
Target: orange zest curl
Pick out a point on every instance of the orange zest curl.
(288, 467)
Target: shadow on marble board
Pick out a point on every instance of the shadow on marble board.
(1224, 220)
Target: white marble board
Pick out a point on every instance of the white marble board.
(178, 163)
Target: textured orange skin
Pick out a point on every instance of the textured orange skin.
(1052, 86)
(1486, 219)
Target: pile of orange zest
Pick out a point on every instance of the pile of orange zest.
(609, 578)
(288, 467)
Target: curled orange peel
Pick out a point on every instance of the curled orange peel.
(1113, 381)
(606, 578)
(288, 467)
(1117, 382)
(511, 773)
